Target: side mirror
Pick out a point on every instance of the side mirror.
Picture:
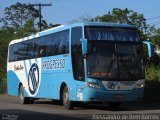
(150, 48)
(84, 46)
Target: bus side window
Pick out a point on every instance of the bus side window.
(42, 52)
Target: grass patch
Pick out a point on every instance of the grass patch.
(3, 86)
(152, 73)
(152, 83)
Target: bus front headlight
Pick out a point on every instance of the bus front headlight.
(92, 85)
(140, 85)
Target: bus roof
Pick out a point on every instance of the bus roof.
(64, 27)
(103, 24)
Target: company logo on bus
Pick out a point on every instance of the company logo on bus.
(33, 79)
(112, 84)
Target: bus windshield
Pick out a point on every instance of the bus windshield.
(115, 59)
(111, 33)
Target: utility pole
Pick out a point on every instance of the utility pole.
(40, 13)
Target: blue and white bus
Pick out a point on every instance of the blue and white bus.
(82, 62)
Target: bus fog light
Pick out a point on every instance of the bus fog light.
(93, 85)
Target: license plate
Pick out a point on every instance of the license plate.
(119, 96)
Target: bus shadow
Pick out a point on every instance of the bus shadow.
(123, 107)
(126, 107)
(51, 102)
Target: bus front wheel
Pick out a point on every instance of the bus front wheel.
(65, 99)
(22, 98)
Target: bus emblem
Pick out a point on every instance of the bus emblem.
(33, 79)
(112, 84)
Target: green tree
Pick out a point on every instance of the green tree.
(27, 29)
(44, 25)
(154, 35)
(18, 14)
(83, 18)
(5, 37)
(125, 16)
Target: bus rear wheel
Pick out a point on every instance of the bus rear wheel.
(114, 105)
(65, 99)
(22, 98)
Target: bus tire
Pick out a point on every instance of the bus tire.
(22, 98)
(114, 105)
(65, 99)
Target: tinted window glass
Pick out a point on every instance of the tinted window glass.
(77, 58)
(53, 44)
(111, 34)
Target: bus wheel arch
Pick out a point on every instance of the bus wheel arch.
(61, 90)
(19, 86)
(22, 98)
(64, 95)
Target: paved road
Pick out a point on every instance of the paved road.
(46, 110)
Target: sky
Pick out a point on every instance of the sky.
(64, 11)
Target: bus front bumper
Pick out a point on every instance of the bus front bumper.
(95, 95)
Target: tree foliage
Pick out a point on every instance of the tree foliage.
(125, 16)
(18, 14)
(83, 18)
(5, 37)
(154, 35)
